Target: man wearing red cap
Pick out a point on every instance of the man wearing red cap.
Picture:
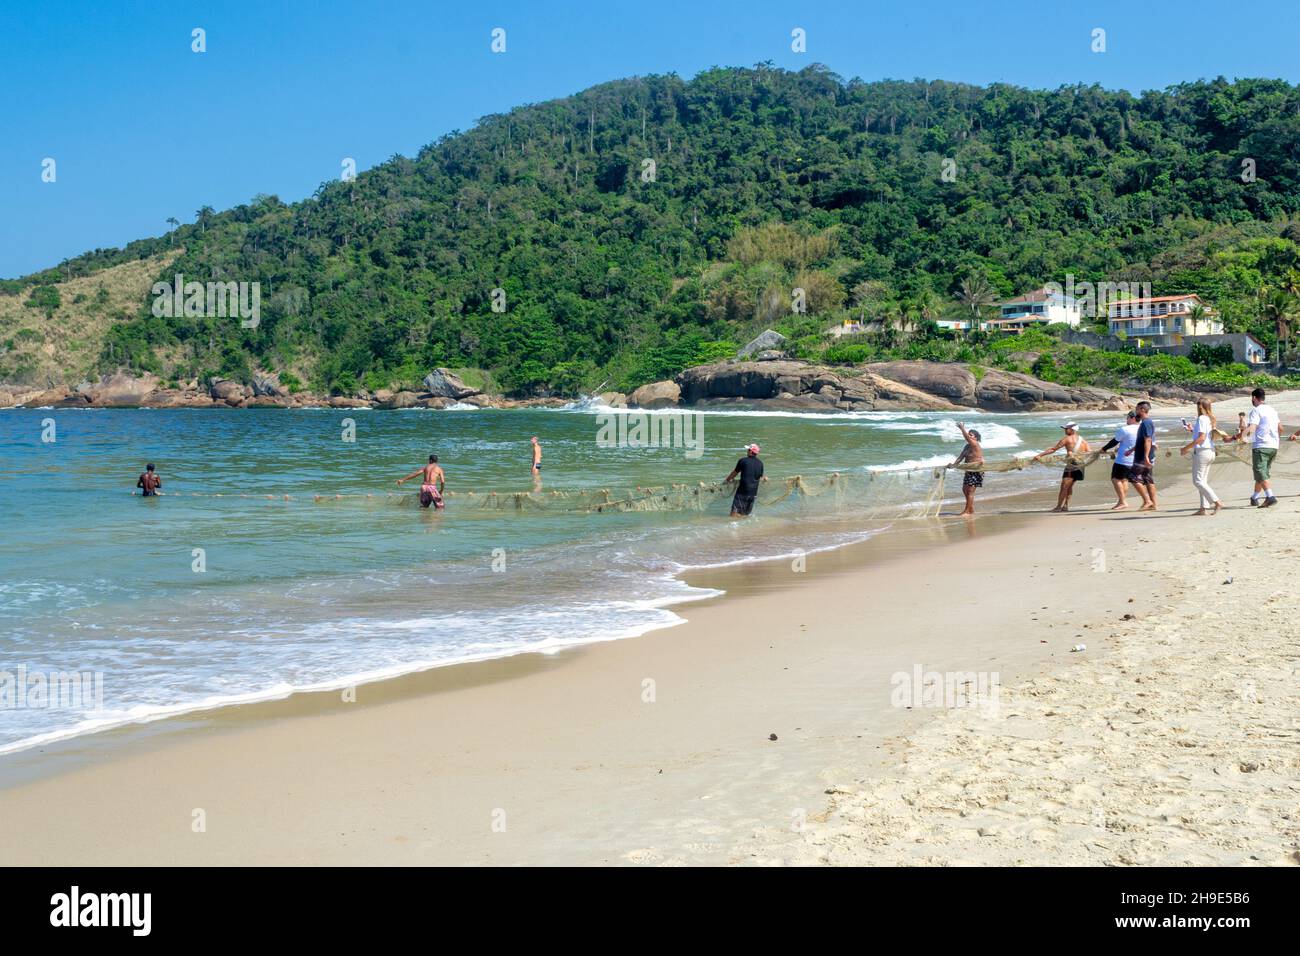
(750, 470)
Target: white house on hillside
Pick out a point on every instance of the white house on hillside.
(1162, 320)
(1040, 307)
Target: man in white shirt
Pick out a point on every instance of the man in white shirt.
(1263, 425)
(1126, 439)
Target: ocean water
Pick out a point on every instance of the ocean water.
(193, 600)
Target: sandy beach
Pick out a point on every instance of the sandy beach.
(766, 729)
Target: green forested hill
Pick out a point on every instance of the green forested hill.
(609, 272)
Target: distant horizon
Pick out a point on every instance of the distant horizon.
(142, 128)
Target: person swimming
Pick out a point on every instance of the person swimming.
(435, 481)
(149, 482)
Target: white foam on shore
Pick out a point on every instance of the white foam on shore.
(913, 464)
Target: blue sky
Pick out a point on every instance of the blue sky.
(142, 128)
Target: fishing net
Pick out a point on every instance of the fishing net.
(883, 493)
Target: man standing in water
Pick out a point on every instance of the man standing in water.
(1074, 446)
(148, 482)
(537, 458)
(750, 470)
(972, 454)
(433, 484)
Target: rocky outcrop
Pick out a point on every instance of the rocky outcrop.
(118, 390)
(443, 383)
(656, 395)
(920, 386)
(764, 342)
(403, 400)
(955, 383)
(776, 384)
(230, 392)
(268, 384)
(999, 391)
(896, 395)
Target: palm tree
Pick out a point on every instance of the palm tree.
(1278, 308)
(925, 305)
(173, 222)
(976, 295)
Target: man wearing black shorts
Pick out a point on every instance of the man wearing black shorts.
(149, 482)
(1075, 446)
(1141, 474)
(750, 470)
(1121, 472)
(971, 454)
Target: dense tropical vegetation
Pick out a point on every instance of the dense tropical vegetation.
(648, 224)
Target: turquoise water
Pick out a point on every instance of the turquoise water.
(297, 594)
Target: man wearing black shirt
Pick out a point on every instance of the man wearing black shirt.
(750, 470)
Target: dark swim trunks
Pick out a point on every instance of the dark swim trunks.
(1075, 473)
(1119, 472)
(743, 504)
(1141, 475)
(973, 479)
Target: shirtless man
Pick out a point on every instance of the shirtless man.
(972, 454)
(149, 482)
(1074, 446)
(432, 485)
(537, 457)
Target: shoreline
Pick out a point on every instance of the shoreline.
(700, 578)
(104, 763)
(565, 742)
(706, 590)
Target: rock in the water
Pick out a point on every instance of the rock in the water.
(766, 341)
(613, 399)
(404, 399)
(443, 383)
(656, 395)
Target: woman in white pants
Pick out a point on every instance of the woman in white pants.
(1202, 448)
